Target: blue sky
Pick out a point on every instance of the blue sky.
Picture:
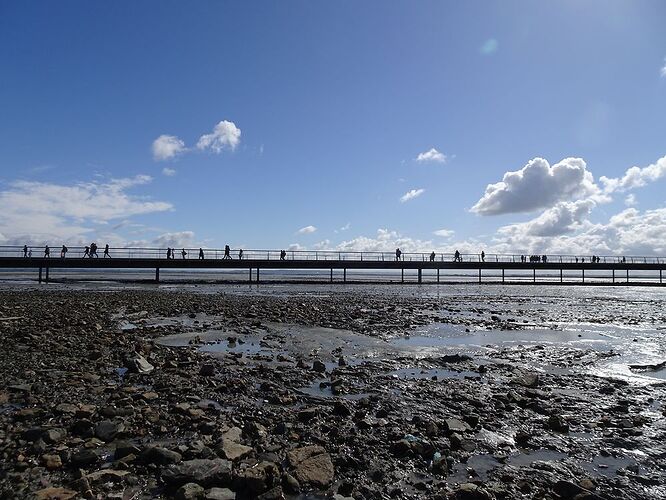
(328, 106)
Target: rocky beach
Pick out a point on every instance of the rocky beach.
(331, 392)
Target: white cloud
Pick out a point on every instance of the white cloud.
(432, 155)
(538, 185)
(322, 245)
(36, 212)
(444, 233)
(169, 172)
(225, 135)
(489, 47)
(180, 239)
(166, 147)
(630, 200)
(662, 71)
(411, 194)
(385, 241)
(565, 217)
(635, 177)
(306, 230)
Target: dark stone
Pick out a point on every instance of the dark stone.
(207, 473)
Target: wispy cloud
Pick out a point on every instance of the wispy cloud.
(411, 194)
(166, 147)
(444, 233)
(169, 172)
(662, 71)
(489, 47)
(432, 155)
(306, 230)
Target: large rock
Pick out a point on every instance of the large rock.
(470, 491)
(160, 456)
(135, 363)
(189, 491)
(232, 450)
(207, 473)
(220, 494)
(452, 425)
(312, 465)
(107, 430)
(258, 479)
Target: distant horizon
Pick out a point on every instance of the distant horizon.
(510, 127)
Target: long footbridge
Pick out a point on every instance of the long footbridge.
(333, 266)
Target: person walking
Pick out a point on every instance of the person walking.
(63, 251)
(93, 250)
(283, 254)
(432, 257)
(483, 256)
(168, 253)
(106, 251)
(456, 256)
(25, 251)
(240, 254)
(398, 254)
(227, 252)
(183, 253)
(47, 252)
(86, 252)
(201, 254)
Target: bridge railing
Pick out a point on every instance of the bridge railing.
(312, 255)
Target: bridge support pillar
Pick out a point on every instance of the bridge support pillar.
(331, 275)
(257, 275)
(157, 275)
(40, 274)
(583, 275)
(613, 275)
(402, 277)
(561, 277)
(47, 274)
(627, 275)
(438, 275)
(420, 277)
(479, 275)
(660, 281)
(249, 278)
(534, 275)
(502, 275)
(344, 275)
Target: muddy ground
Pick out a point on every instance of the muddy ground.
(154, 394)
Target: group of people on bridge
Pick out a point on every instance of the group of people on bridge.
(90, 251)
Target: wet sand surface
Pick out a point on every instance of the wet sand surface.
(310, 391)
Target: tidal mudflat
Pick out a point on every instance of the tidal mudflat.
(318, 392)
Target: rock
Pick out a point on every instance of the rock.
(135, 363)
(189, 491)
(206, 472)
(55, 494)
(454, 358)
(318, 366)
(452, 425)
(312, 465)
(257, 479)
(527, 379)
(272, 494)
(307, 414)
(53, 436)
(107, 475)
(207, 370)
(341, 409)
(567, 489)
(233, 451)
(220, 494)
(125, 448)
(84, 458)
(557, 424)
(470, 491)
(401, 448)
(52, 462)
(291, 484)
(32, 434)
(160, 456)
(107, 430)
(233, 434)
(83, 428)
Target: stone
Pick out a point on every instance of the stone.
(125, 448)
(219, 494)
(233, 434)
(272, 494)
(291, 484)
(160, 456)
(107, 475)
(307, 414)
(233, 451)
(557, 424)
(135, 363)
(257, 479)
(567, 489)
(84, 457)
(53, 436)
(312, 465)
(318, 366)
(83, 428)
(205, 472)
(470, 491)
(452, 425)
(107, 430)
(55, 494)
(527, 379)
(189, 491)
(52, 462)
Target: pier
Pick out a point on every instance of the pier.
(334, 266)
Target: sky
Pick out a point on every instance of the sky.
(506, 126)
